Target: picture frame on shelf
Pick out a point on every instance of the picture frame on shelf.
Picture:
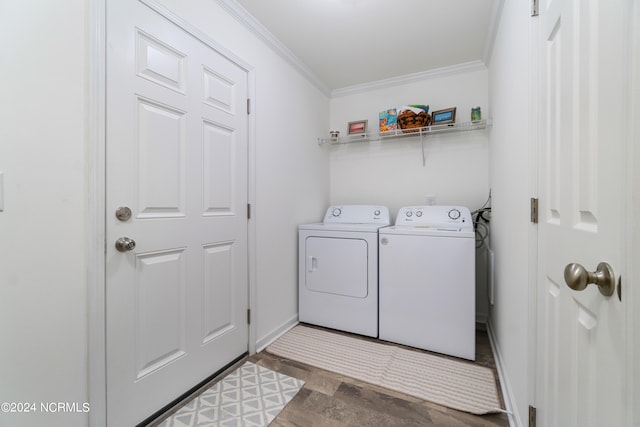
(357, 127)
(442, 117)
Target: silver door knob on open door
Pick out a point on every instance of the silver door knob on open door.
(125, 244)
(577, 278)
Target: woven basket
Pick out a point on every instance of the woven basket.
(409, 121)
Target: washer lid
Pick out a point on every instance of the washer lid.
(426, 230)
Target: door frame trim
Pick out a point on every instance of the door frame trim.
(632, 230)
(96, 224)
(96, 196)
(534, 188)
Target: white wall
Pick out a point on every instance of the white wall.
(511, 163)
(44, 228)
(43, 129)
(391, 173)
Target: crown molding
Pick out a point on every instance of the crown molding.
(252, 24)
(410, 78)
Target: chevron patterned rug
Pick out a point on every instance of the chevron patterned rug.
(451, 383)
(250, 396)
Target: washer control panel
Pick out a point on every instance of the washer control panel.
(357, 214)
(435, 216)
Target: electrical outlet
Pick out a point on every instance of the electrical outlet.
(431, 200)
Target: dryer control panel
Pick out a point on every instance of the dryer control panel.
(357, 214)
(435, 216)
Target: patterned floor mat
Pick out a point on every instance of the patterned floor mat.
(250, 396)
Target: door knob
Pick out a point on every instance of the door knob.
(577, 278)
(125, 244)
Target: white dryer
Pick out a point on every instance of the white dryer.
(338, 269)
(427, 280)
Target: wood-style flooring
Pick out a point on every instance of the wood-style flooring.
(329, 399)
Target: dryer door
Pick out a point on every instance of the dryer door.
(337, 266)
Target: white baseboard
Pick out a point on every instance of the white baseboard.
(505, 384)
(263, 342)
(481, 317)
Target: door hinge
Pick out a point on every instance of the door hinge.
(532, 416)
(248, 210)
(534, 210)
(535, 8)
(248, 105)
(248, 316)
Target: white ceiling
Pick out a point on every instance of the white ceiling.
(347, 43)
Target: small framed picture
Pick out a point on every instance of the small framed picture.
(357, 127)
(442, 117)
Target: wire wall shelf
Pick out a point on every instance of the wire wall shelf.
(407, 133)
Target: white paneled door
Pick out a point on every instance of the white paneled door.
(581, 353)
(176, 303)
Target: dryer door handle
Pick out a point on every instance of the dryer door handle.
(312, 264)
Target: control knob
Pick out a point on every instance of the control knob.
(454, 214)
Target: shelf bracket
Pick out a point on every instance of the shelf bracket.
(424, 158)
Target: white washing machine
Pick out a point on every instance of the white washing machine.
(338, 269)
(427, 280)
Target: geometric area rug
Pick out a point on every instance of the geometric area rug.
(250, 396)
(448, 382)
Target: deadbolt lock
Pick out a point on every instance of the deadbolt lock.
(123, 213)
